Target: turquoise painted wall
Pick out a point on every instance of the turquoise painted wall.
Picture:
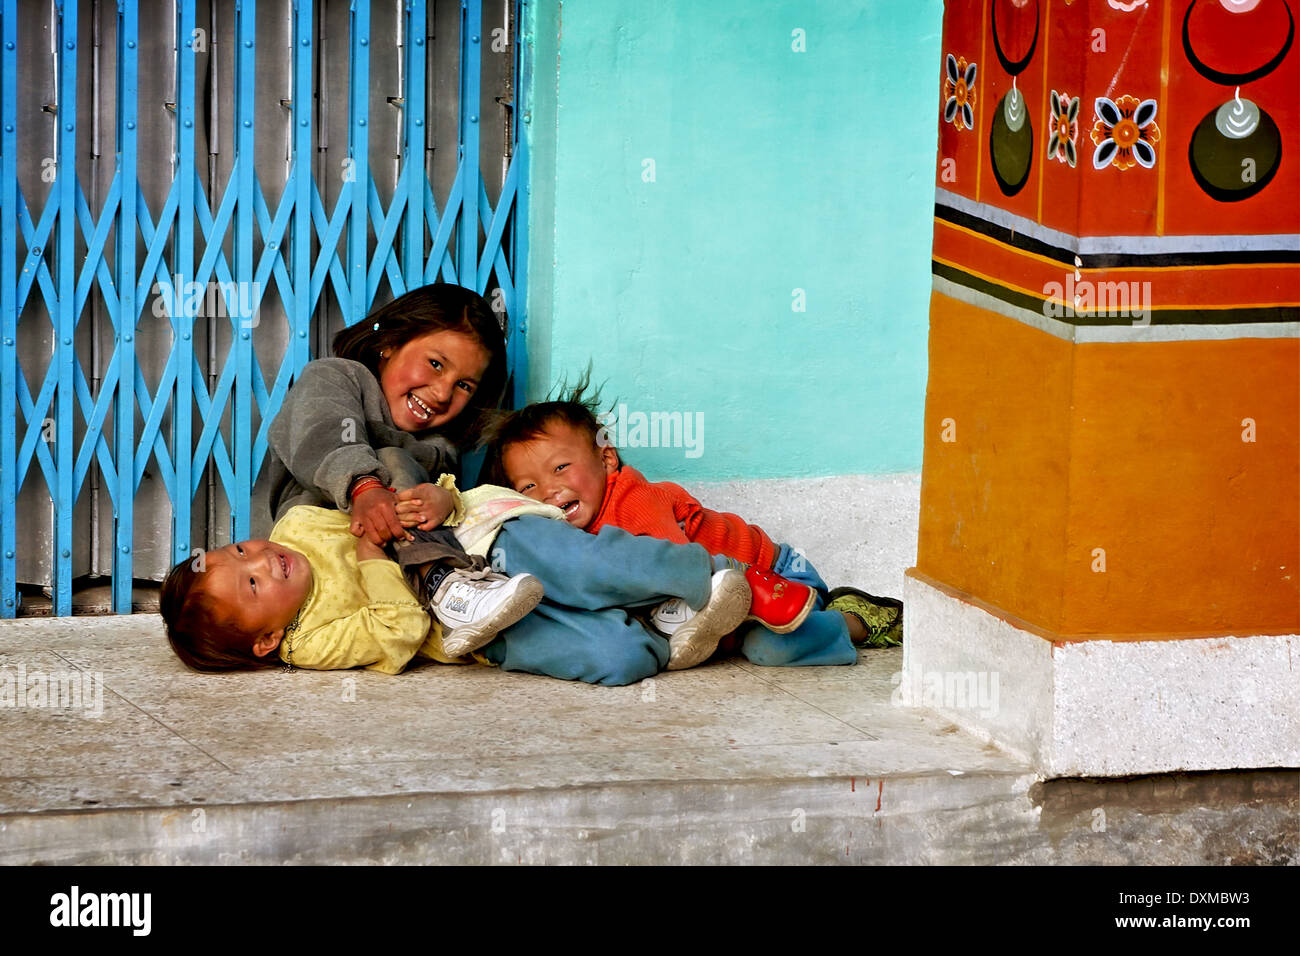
(691, 170)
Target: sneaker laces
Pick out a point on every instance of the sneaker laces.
(462, 575)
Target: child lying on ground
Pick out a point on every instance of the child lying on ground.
(316, 596)
(324, 599)
(557, 453)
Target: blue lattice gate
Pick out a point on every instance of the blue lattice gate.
(195, 197)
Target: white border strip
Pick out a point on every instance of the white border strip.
(1080, 334)
(1119, 245)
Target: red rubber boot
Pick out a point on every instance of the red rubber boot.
(780, 605)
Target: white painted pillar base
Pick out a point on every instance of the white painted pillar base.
(1101, 708)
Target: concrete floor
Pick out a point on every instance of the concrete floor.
(725, 763)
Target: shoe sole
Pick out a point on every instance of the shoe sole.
(471, 637)
(698, 638)
(796, 622)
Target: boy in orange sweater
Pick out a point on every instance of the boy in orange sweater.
(558, 453)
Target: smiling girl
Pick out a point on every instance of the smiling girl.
(366, 431)
(395, 406)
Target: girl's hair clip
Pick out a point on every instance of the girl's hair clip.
(375, 327)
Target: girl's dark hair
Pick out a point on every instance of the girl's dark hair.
(434, 308)
(202, 632)
(577, 405)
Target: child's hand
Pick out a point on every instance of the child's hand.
(367, 551)
(424, 506)
(374, 516)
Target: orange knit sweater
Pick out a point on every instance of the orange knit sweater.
(665, 510)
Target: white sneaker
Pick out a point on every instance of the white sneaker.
(475, 607)
(696, 634)
(666, 618)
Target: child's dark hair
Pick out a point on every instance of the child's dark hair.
(577, 406)
(434, 308)
(201, 632)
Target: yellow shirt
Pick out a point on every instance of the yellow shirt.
(359, 613)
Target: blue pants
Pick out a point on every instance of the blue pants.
(822, 639)
(581, 631)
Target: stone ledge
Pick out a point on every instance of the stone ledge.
(1101, 708)
(1248, 817)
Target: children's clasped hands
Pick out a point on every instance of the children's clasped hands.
(380, 515)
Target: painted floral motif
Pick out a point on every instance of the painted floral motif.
(1125, 132)
(1064, 128)
(1128, 7)
(959, 92)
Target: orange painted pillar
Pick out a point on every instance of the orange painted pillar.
(1113, 408)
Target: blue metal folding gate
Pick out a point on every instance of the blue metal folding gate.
(209, 245)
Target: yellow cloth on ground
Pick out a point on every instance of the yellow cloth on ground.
(480, 513)
(359, 613)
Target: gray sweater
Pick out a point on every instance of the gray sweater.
(333, 420)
